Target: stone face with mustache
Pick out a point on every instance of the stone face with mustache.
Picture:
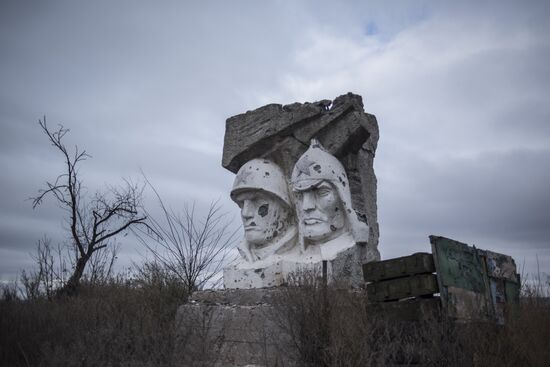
(321, 212)
(323, 203)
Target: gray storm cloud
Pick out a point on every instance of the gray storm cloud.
(459, 91)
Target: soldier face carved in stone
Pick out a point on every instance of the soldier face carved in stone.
(261, 191)
(263, 215)
(323, 198)
(320, 212)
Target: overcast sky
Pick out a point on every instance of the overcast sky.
(460, 90)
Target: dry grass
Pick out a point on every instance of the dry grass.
(123, 323)
(334, 327)
(114, 324)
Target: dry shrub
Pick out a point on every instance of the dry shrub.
(332, 326)
(201, 336)
(299, 311)
(119, 323)
(122, 323)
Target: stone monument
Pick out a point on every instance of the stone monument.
(306, 188)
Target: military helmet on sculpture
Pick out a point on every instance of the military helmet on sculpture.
(261, 191)
(317, 165)
(263, 175)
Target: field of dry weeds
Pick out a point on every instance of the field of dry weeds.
(131, 323)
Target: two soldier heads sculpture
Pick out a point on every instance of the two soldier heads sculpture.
(306, 218)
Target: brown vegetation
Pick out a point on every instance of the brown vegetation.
(335, 327)
(131, 322)
(118, 323)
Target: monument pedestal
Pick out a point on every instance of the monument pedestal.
(234, 327)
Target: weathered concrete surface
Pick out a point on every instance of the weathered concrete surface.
(283, 133)
(345, 269)
(418, 263)
(231, 328)
(272, 275)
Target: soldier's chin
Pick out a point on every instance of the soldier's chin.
(256, 237)
(317, 232)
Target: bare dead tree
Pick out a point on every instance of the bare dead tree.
(52, 264)
(101, 265)
(93, 221)
(194, 249)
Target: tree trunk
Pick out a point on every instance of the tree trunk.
(73, 283)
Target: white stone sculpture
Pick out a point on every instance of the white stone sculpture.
(328, 224)
(277, 242)
(261, 191)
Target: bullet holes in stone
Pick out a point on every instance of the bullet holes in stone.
(263, 210)
(342, 181)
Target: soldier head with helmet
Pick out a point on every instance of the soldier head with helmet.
(261, 191)
(323, 199)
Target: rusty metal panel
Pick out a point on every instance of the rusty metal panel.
(474, 284)
(419, 263)
(501, 266)
(457, 264)
(465, 305)
(462, 280)
(498, 298)
(512, 291)
(394, 289)
(505, 285)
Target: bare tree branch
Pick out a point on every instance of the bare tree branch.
(95, 221)
(194, 250)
